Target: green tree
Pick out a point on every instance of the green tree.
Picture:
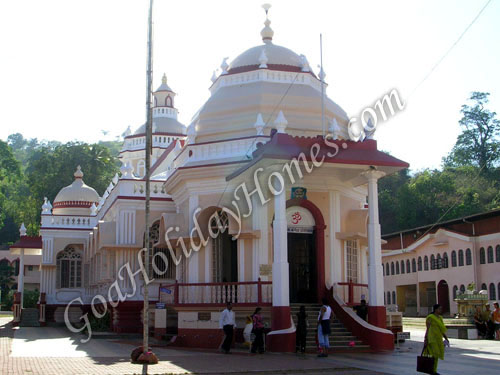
(10, 174)
(479, 143)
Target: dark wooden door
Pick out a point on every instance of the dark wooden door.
(302, 261)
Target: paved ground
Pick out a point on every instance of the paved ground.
(463, 357)
(49, 350)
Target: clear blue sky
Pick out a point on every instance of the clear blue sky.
(70, 69)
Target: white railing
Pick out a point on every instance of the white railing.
(265, 75)
(237, 148)
(242, 293)
(68, 221)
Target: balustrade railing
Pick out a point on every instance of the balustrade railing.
(351, 292)
(217, 294)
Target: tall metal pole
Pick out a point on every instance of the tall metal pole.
(149, 78)
(322, 77)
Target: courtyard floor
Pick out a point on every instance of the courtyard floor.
(51, 350)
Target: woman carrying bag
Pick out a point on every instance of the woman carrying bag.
(433, 341)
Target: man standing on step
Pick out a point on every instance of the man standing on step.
(228, 324)
(324, 328)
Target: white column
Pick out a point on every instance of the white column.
(241, 259)
(375, 277)
(335, 244)
(20, 279)
(260, 246)
(193, 261)
(280, 260)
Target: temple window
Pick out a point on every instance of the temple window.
(69, 268)
(351, 247)
(163, 266)
(141, 168)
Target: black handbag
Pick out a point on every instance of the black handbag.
(425, 363)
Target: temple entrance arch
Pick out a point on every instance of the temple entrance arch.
(306, 246)
(224, 251)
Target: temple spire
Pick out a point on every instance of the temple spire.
(267, 33)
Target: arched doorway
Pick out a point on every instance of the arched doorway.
(305, 251)
(224, 255)
(444, 296)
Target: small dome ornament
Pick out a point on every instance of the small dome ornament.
(164, 79)
(224, 65)
(46, 207)
(305, 64)
(334, 129)
(110, 187)
(127, 132)
(281, 123)
(267, 33)
(263, 60)
(115, 179)
(78, 173)
(259, 124)
(22, 230)
(93, 209)
(214, 77)
(126, 170)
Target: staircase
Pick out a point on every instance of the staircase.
(29, 318)
(339, 338)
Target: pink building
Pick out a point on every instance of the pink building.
(432, 264)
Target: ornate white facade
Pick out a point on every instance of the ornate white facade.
(263, 119)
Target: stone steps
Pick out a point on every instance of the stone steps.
(29, 318)
(340, 338)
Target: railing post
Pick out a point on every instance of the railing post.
(42, 309)
(259, 292)
(351, 293)
(176, 295)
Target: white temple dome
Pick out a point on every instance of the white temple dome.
(75, 199)
(164, 125)
(276, 55)
(266, 79)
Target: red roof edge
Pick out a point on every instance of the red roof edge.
(28, 242)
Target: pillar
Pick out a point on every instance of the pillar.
(283, 340)
(193, 261)
(376, 309)
(335, 275)
(20, 279)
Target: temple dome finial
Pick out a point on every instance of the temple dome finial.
(164, 79)
(267, 33)
(78, 173)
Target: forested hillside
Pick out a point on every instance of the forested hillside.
(31, 170)
(467, 183)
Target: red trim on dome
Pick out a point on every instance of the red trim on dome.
(279, 67)
(73, 204)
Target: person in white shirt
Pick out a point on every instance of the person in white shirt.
(324, 328)
(228, 324)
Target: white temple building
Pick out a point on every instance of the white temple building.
(313, 228)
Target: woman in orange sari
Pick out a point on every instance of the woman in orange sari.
(436, 330)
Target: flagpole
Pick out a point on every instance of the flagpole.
(322, 78)
(149, 78)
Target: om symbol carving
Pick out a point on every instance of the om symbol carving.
(296, 218)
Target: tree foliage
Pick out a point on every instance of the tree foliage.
(31, 170)
(479, 143)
